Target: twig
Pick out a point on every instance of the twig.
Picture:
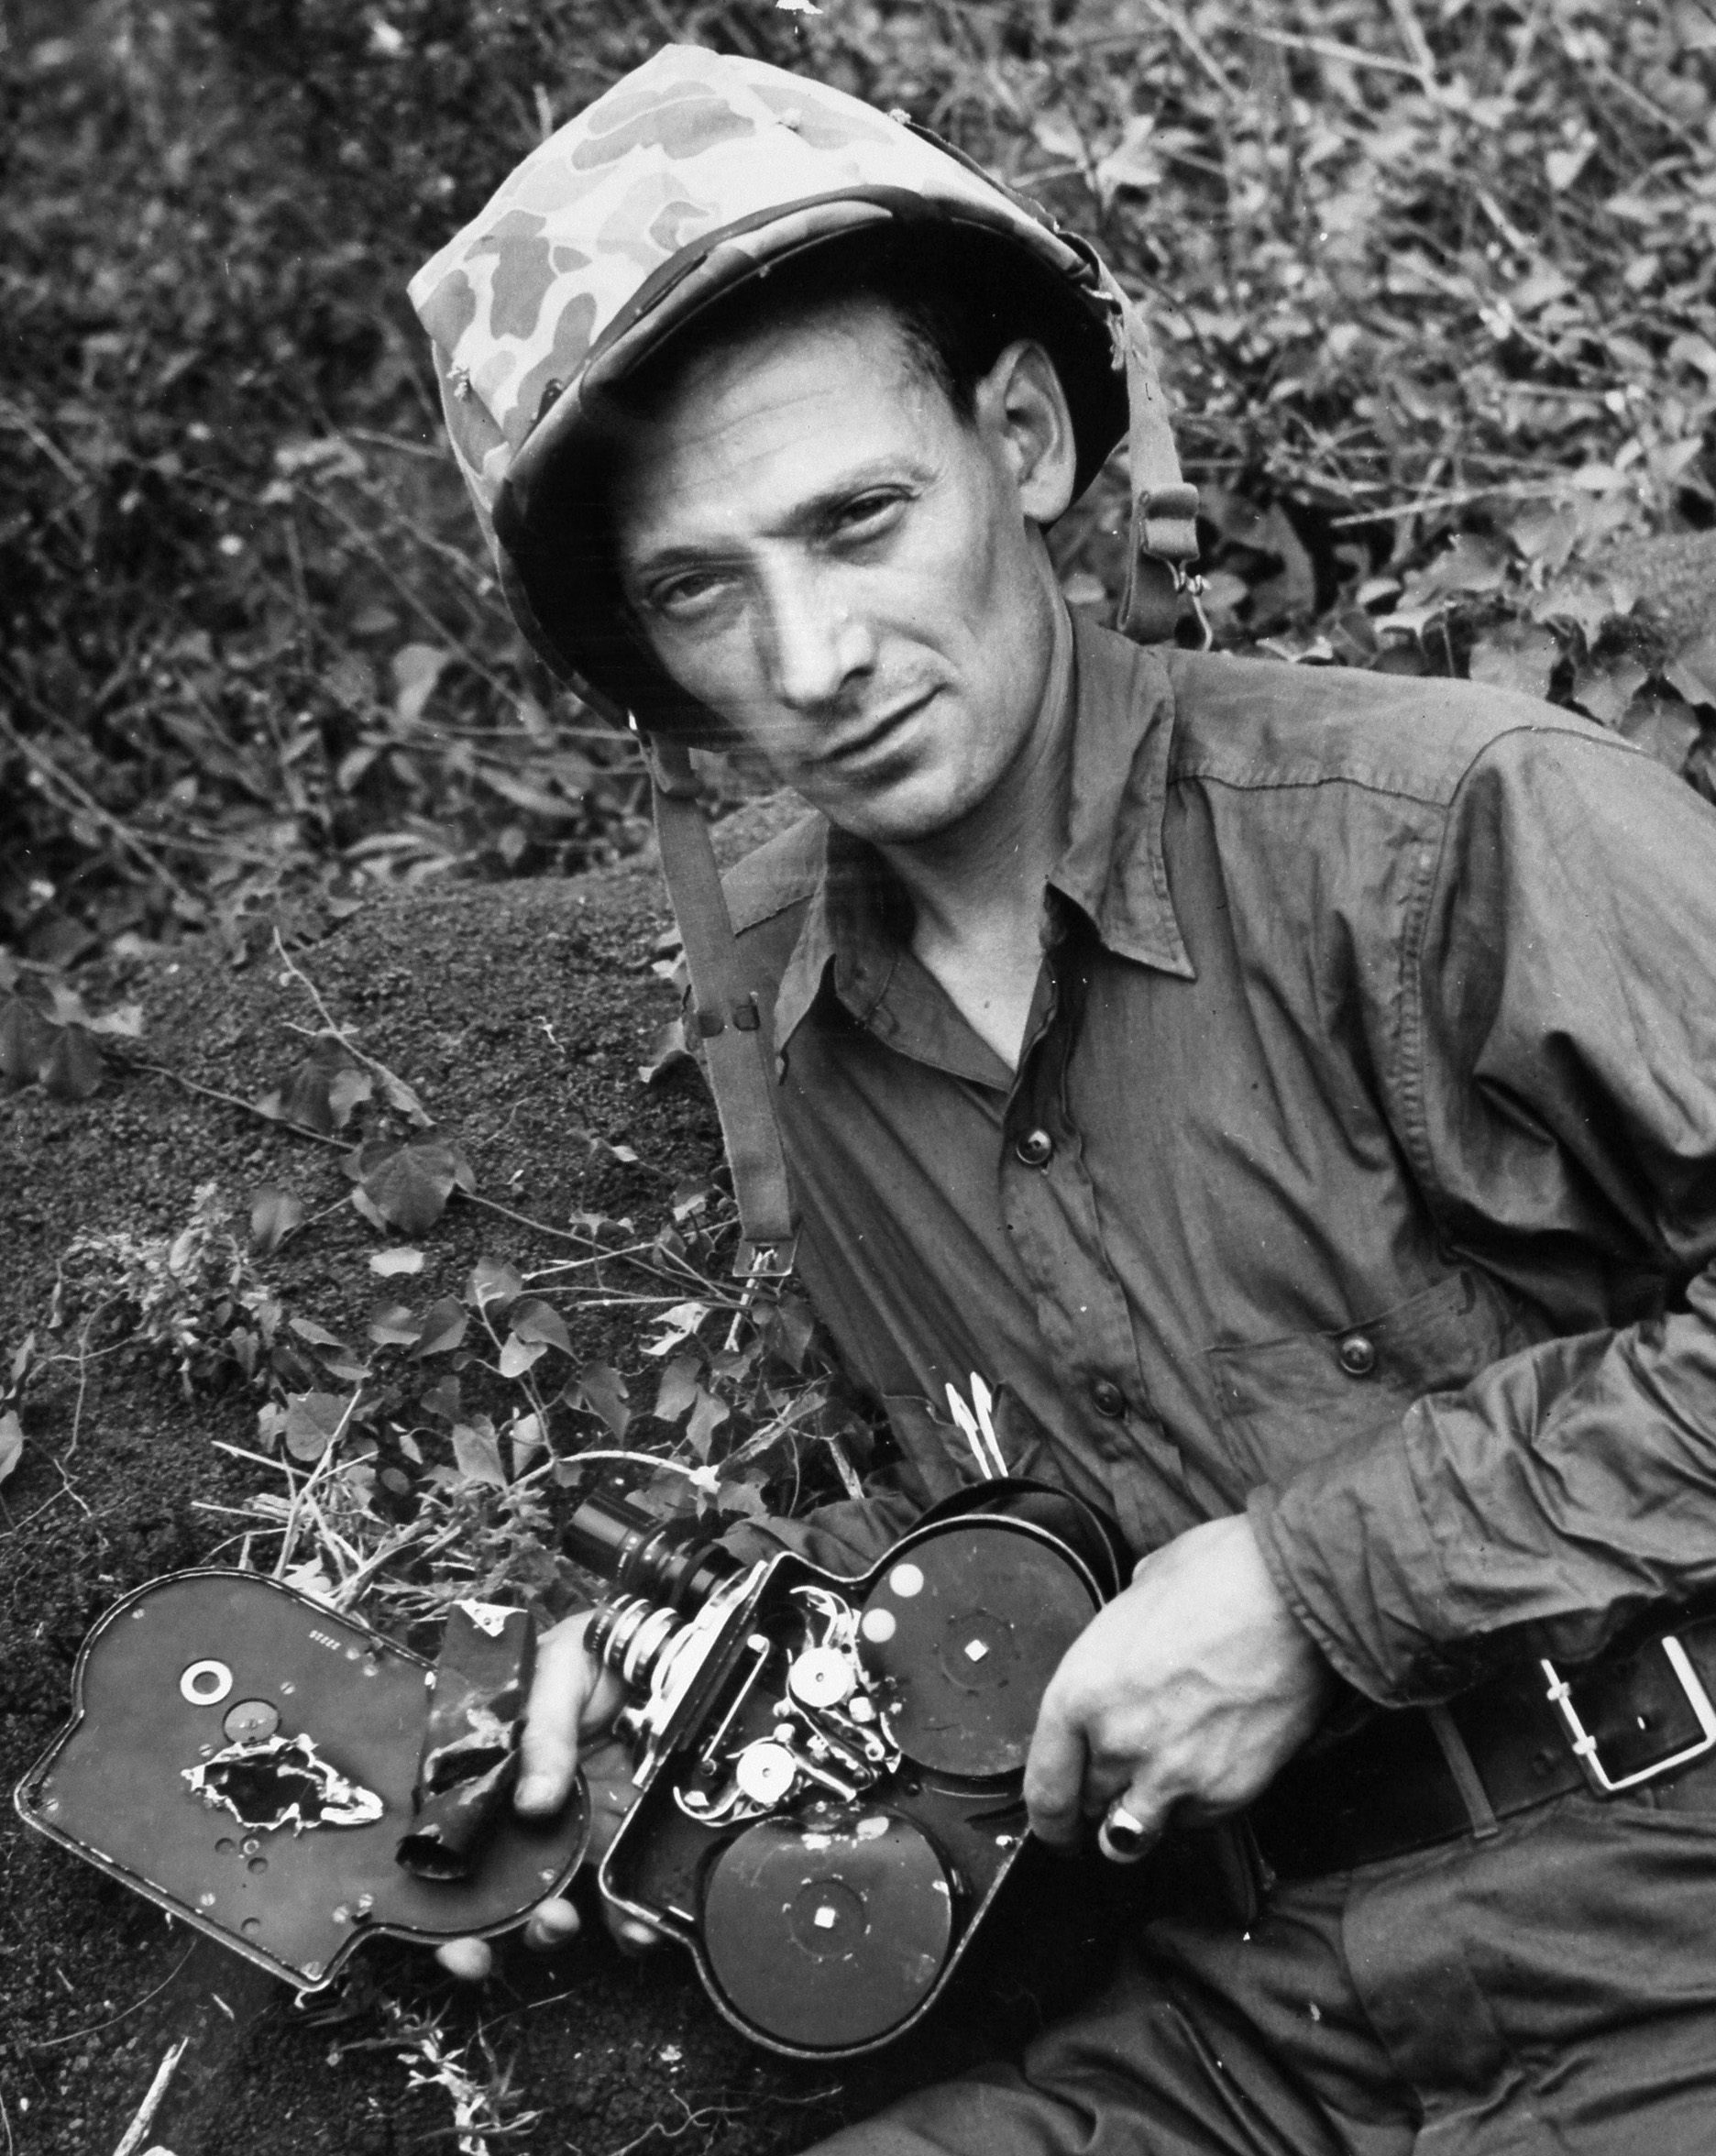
(1412, 36)
(1193, 44)
(16, 417)
(232, 1100)
(1517, 490)
(340, 1145)
(1329, 48)
(54, 776)
(289, 1534)
(93, 2028)
(133, 2138)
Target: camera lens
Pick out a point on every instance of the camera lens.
(643, 1556)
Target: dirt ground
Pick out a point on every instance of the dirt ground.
(521, 1012)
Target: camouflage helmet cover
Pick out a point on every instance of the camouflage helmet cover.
(694, 173)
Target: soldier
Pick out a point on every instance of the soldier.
(1296, 1090)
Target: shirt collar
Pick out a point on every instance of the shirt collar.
(1112, 868)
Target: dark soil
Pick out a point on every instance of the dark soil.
(520, 1013)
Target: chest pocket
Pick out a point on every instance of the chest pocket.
(1286, 1402)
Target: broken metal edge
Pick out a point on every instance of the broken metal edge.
(27, 1797)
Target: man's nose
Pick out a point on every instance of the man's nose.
(816, 642)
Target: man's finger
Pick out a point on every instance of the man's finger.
(1054, 1778)
(551, 1924)
(548, 1750)
(470, 1959)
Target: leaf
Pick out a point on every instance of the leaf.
(667, 1052)
(1472, 564)
(476, 1451)
(442, 1328)
(306, 1096)
(493, 1286)
(318, 1335)
(274, 1214)
(1691, 672)
(742, 1499)
(517, 1356)
(1606, 687)
(1663, 727)
(602, 1389)
(398, 1260)
(402, 1099)
(681, 1322)
(416, 669)
(309, 1578)
(1588, 601)
(443, 1399)
(365, 1206)
(1517, 657)
(790, 1329)
(11, 1442)
(311, 1421)
(528, 1438)
(410, 1182)
(707, 1417)
(537, 1320)
(678, 1389)
(73, 1067)
(348, 1090)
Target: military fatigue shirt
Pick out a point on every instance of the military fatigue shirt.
(1359, 1167)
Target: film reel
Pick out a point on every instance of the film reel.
(964, 1631)
(828, 1932)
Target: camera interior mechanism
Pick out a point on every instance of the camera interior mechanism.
(831, 1771)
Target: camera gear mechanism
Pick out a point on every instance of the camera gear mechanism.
(831, 1771)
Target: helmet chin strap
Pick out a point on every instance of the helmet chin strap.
(724, 1015)
(724, 1010)
(1164, 509)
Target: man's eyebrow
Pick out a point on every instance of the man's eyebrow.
(805, 518)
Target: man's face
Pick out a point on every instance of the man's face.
(822, 553)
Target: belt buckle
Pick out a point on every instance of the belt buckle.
(1604, 1783)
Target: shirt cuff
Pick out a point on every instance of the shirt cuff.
(1351, 1552)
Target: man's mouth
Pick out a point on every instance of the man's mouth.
(877, 733)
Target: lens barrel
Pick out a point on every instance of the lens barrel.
(643, 1556)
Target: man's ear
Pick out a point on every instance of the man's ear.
(1022, 409)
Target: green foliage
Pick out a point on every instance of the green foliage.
(190, 1298)
(1418, 267)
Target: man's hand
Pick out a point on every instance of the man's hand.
(572, 1704)
(1186, 1694)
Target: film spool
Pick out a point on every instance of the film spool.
(824, 1936)
(963, 1634)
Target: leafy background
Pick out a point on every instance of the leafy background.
(1435, 291)
(1432, 278)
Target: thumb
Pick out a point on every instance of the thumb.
(569, 1695)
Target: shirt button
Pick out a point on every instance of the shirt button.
(1358, 1355)
(1108, 1398)
(1036, 1148)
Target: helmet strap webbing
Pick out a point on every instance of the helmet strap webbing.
(1164, 509)
(724, 1015)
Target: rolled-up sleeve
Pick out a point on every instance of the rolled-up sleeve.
(1552, 1050)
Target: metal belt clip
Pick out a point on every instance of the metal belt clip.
(1584, 1745)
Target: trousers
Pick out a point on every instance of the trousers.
(1551, 1988)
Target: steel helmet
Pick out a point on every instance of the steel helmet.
(694, 174)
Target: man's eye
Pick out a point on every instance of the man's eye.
(688, 595)
(869, 512)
